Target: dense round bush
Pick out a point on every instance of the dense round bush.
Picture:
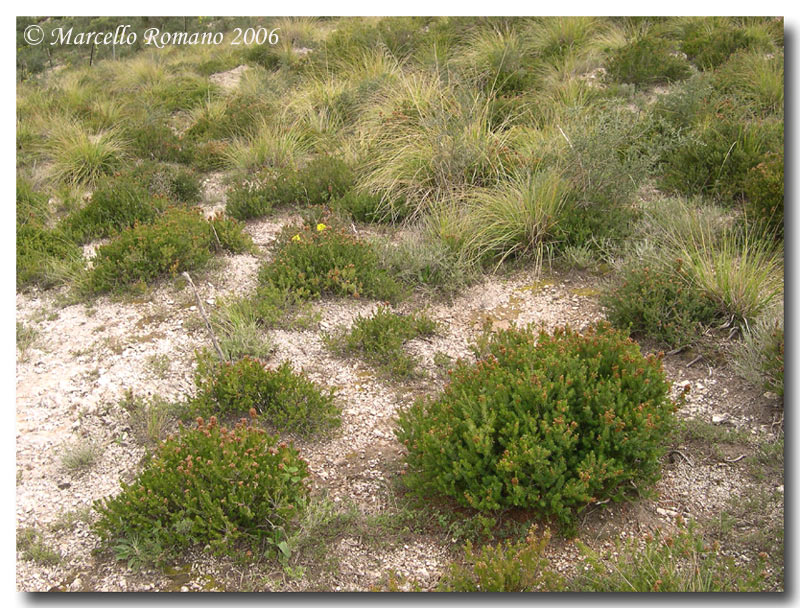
(208, 485)
(323, 260)
(763, 190)
(647, 61)
(117, 203)
(179, 240)
(659, 303)
(545, 422)
(284, 399)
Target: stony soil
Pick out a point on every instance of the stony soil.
(87, 356)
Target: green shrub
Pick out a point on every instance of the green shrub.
(590, 226)
(152, 139)
(185, 186)
(248, 200)
(709, 47)
(658, 302)
(226, 118)
(379, 339)
(116, 204)
(45, 257)
(544, 422)
(676, 563)
(287, 401)
(319, 182)
(715, 158)
(324, 260)
(178, 184)
(180, 240)
(763, 190)
(207, 486)
(521, 566)
(647, 61)
(181, 93)
(323, 179)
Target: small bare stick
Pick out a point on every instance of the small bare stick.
(732, 460)
(695, 360)
(205, 318)
(681, 454)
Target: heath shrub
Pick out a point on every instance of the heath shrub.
(208, 485)
(545, 422)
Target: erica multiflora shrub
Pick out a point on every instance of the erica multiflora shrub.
(313, 261)
(285, 399)
(544, 422)
(180, 240)
(208, 485)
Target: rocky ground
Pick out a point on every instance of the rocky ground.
(72, 381)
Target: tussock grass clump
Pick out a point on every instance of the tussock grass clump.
(240, 329)
(379, 339)
(32, 545)
(269, 146)
(79, 157)
(324, 260)
(545, 422)
(284, 399)
(80, 456)
(422, 259)
(516, 216)
(710, 42)
(180, 240)
(428, 141)
(759, 356)
(755, 79)
(209, 485)
(740, 271)
(32, 206)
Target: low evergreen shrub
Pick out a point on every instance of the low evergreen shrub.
(180, 240)
(313, 261)
(763, 190)
(647, 61)
(117, 203)
(208, 485)
(509, 567)
(285, 400)
(545, 422)
(42, 254)
(659, 303)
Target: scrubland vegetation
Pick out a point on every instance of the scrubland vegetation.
(424, 154)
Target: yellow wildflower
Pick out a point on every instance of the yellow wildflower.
(296, 237)
(321, 227)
